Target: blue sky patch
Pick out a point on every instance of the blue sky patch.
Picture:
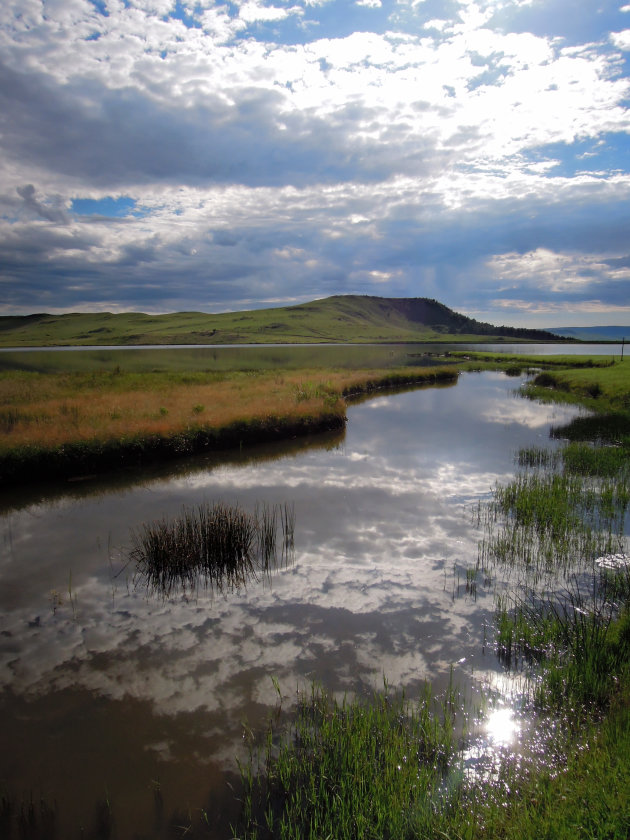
(607, 154)
(180, 13)
(115, 208)
(100, 7)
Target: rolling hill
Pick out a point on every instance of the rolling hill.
(341, 318)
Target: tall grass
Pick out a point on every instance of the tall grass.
(351, 769)
(564, 517)
(578, 636)
(217, 546)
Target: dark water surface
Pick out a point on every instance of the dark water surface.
(114, 702)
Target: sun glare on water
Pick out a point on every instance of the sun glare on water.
(502, 727)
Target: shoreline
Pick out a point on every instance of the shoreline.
(76, 459)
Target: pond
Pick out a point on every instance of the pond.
(115, 701)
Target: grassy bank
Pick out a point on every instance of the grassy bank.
(63, 425)
(600, 383)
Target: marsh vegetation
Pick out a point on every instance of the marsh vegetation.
(212, 546)
(558, 534)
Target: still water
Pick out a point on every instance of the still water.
(263, 357)
(113, 698)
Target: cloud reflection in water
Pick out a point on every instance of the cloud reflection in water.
(383, 522)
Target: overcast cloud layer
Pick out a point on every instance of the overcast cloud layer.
(162, 155)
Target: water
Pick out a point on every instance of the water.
(246, 357)
(114, 701)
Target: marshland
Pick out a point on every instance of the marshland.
(454, 597)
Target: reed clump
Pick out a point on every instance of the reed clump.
(217, 546)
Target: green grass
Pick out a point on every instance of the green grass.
(563, 511)
(605, 387)
(342, 318)
(350, 770)
(553, 522)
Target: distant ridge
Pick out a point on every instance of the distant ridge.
(593, 333)
(356, 319)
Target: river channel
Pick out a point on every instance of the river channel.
(113, 699)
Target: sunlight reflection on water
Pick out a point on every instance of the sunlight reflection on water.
(502, 726)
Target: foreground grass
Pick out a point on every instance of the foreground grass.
(55, 425)
(352, 770)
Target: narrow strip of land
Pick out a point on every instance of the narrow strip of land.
(64, 425)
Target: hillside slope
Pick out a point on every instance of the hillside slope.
(342, 318)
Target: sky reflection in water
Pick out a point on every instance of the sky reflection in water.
(383, 535)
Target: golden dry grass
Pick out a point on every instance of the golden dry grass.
(95, 412)
(51, 410)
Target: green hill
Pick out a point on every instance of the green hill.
(342, 318)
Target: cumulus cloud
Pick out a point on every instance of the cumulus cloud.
(558, 272)
(393, 150)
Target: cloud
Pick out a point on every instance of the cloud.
(395, 158)
(253, 11)
(52, 214)
(557, 272)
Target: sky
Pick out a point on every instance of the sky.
(171, 155)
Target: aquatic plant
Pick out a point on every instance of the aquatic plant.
(564, 519)
(216, 545)
(545, 520)
(580, 636)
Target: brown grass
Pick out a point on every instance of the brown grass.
(50, 410)
(51, 419)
